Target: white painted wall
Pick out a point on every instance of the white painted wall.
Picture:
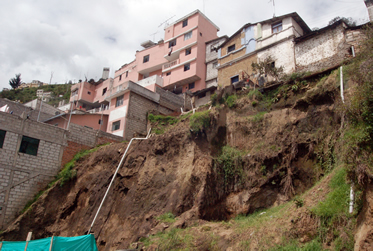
(118, 114)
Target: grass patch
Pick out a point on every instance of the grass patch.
(257, 117)
(160, 122)
(199, 121)
(314, 245)
(229, 163)
(66, 174)
(231, 101)
(167, 218)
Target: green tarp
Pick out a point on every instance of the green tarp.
(85, 242)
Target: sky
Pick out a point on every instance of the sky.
(57, 41)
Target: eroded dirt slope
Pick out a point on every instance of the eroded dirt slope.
(177, 172)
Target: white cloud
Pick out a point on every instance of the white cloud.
(76, 38)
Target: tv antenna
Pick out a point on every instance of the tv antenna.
(273, 1)
(153, 34)
(166, 22)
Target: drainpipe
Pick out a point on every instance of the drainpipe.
(352, 193)
(112, 180)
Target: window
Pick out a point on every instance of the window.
(185, 23)
(126, 73)
(188, 51)
(187, 67)
(145, 59)
(188, 36)
(234, 79)
(89, 93)
(2, 137)
(231, 48)
(213, 47)
(168, 73)
(100, 121)
(29, 145)
(214, 65)
(120, 77)
(191, 86)
(104, 91)
(276, 27)
(115, 126)
(119, 101)
(172, 43)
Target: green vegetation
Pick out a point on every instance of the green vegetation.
(229, 163)
(27, 94)
(257, 117)
(167, 218)
(16, 81)
(66, 174)
(231, 101)
(314, 245)
(199, 121)
(160, 122)
(267, 67)
(255, 94)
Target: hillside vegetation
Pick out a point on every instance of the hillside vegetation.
(27, 94)
(258, 170)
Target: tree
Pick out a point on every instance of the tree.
(15, 82)
(348, 20)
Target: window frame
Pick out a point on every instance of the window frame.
(104, 91)
(187, 67)
(119, 101)
(2, 138)
(231, 48)
(235, 77)
(188, 35)
(191, 85)
(172, 43)
(168, 73)
(27, 144)
(188, 51)
(114, 125)
(276, 27)
(146, 58)
(185, 23)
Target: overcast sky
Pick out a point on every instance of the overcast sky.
(77, 38)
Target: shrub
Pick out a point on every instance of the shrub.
(255, 94)
(199, 121)
(214, 99)
(229, 161)
(167, 218)
(231, 101)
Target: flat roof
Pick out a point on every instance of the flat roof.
(191, 14)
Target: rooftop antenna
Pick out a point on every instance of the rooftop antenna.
(166, 22)
(153, 34)
(50, 81)
(273, 1)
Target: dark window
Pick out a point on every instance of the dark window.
(100, 121)
(104, 91)
(231, 48)
(116, 125)
(168, 73)
(172, 43)
(213, 47)
(276, 27)
(119, 101)
(188, 51)
(200, 34)
(89, 93)
(191, 86)
(187, 67)
(234, 79)
(126, 73)
(146, 59)
(2, 137)
(29, 145)
(185, 22)
(56, 124)
(120, 77)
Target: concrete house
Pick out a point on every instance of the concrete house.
(160, 71)
(254, 42)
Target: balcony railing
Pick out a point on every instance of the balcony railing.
(151, 80)
(100, 109)
(169, 65)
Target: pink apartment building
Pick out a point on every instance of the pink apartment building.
(150, 82)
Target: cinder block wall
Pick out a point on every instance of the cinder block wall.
(23, 175)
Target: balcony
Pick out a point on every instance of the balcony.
(116, 91)
(170, 65)
(100, 109)
(151, 80)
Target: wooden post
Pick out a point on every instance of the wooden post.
(50, 247)
(28, 239)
